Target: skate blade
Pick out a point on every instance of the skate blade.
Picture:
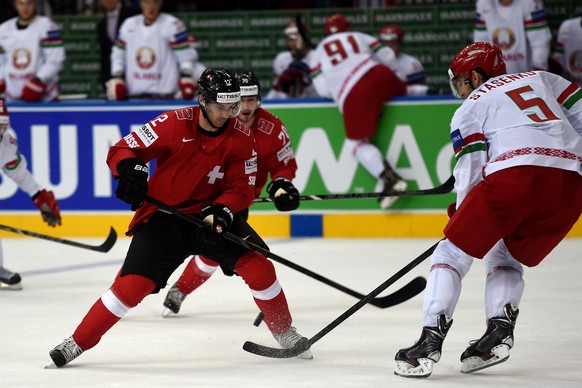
(423, 370)
(306, 355)
(474, 364)
(10, 287)
(386, 202)
(50, 365)
(168, 313)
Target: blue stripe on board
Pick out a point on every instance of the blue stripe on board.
(308, 225)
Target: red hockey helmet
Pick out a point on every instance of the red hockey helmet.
(479, 55)
(336, 23)
(391, 32)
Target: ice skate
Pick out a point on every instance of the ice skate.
(493, 347)
(288, 340)
(392, 182)
(418, 360)
(173, 301)
(9, 280)
(65, 352)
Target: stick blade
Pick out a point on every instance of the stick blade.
(109, 242)
(266, 351)
(409, 291)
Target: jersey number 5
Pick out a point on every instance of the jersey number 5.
(336, 52)
(523, 104)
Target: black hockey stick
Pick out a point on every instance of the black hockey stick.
(303, 32)
(105, 247)
(445, 188)
(413, 288)
(305, 344)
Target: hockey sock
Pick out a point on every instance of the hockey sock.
(198, 270)
(125, 293)
(368, 155)
(259, 274)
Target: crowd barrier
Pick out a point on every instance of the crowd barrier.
(66, 145)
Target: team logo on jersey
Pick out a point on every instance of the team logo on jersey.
(265, 126)
(185, 114)
(145, 57)
(214, 175)
(21, 58)
(146, 135)
(575, 61)
(504, 38)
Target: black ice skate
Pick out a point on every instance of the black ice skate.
(493, 347)
(392, 182)
(66, 352)
(418, 360)
(173, 301)
(9, 280)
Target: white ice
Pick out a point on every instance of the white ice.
(202, 347)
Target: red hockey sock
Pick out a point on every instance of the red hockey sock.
(125, 293)
(259, 274)
(196, 273)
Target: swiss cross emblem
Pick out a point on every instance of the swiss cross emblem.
(214, 175)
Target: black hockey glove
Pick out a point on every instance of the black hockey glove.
(284, 194)
(218, 219)
(133, 182)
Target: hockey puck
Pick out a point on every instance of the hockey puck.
(259, 319)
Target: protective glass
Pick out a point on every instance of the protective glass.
(456, 83)
(222, 109)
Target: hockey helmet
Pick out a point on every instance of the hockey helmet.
(221, 86)
(391, 33)
(336, 23)
(249, 84)
(479, 55)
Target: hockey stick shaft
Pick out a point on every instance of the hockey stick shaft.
(105, 247)
(412, 289)
(301, 346)
(445, 188)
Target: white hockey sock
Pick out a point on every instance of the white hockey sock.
(368, 155)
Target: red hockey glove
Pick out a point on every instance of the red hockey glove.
(188, 87)
(2, 86)
(116, 89)
(284, 194)
(33, 90)
(133, 182)
(49, 207)
(451, 209)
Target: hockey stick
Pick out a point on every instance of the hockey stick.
(304, 344)
(413, 288)
(445, 188)
(105, 247)
(302, 32)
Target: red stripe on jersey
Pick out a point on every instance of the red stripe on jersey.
(566, 93)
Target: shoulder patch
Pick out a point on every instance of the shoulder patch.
(265, 126)
(241, 127)
(146, 134)
(185, 114)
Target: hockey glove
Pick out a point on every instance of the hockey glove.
(2, 86)
(300, 70)
(188, 87)
(116, 89)
(33, 90)
(49, 207)
(133, 182)
(284, 194)
(218, 219)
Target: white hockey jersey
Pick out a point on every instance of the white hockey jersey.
(34, 51)
(14, 164)
(532, 118)
(341, 60)
(569, 48)
(280, 64)
(151, 57)
(409, 69)
(520, 30)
